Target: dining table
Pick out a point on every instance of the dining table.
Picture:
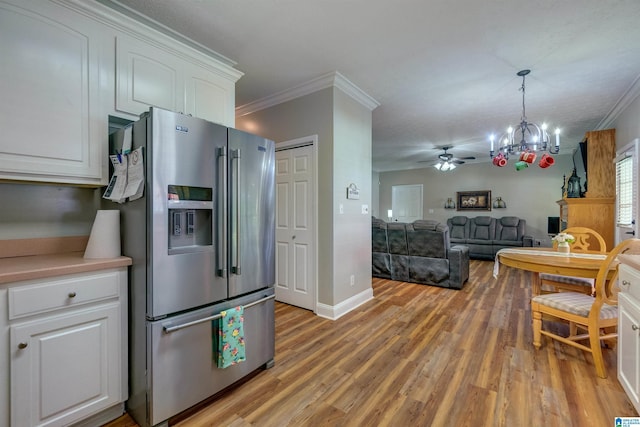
(548, 260)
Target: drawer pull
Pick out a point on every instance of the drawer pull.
(72, 294)
(625, 283)
(22, 345)
(635, 327)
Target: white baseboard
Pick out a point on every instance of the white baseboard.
(333, 312)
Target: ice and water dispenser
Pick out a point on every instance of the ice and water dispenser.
(190, 211)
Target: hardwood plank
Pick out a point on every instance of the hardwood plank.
(422, 356)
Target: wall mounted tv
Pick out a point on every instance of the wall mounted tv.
(580, 163)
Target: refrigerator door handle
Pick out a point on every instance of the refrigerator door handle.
(169, 329)
(235, 215)
(222, 212)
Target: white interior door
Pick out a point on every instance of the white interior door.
(627, 192)
(406, 202)
(295, 225)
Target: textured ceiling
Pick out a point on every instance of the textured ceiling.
(443, 71)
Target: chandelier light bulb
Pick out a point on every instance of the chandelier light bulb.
(544, 126)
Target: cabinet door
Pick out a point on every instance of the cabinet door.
(50, 115)
(65, 368)
(629, 347)
(209, 96)
(147, 76)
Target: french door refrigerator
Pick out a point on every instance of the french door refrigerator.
(202, 240)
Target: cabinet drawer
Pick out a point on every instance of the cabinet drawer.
(629, 281)
(68, 291)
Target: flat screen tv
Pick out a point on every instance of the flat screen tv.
(580, 163)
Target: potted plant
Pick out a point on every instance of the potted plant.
(563, 240)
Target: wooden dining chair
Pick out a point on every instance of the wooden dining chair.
(597, 315)
(586, 240)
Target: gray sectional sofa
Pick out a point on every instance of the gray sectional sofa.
(485, 235)
(420, 252)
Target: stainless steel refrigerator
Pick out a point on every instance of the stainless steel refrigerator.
(202, 239)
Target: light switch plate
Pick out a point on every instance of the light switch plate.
(365, 209)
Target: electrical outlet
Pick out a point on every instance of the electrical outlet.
(365, 209)
(353, 280)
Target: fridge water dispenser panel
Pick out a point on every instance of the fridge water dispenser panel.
(190, 211)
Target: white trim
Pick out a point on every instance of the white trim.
(298, 142)
(622, 104)
(333, 312)
(333, 79)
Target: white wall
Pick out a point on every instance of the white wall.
(530, 194)
(36, 211)
(351, 164)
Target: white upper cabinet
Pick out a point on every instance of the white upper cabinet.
(68, 64)
(148, 75)
(53, 129)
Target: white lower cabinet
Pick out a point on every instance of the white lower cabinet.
(629, 333)
(68, 357)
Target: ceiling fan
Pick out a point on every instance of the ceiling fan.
(447, 161)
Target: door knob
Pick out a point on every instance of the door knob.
(635, 327)
(72, 294)
(22, 345)
(293, 237)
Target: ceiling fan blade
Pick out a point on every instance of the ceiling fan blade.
(457, 161)
(467, 158)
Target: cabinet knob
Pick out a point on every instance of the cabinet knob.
(625, 283)
(22, 345)
(635, 327)
(72, 294)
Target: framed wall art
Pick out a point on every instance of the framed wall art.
(474, 200)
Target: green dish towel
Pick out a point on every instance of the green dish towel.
(230, 343)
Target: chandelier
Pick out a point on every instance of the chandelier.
(525, 139)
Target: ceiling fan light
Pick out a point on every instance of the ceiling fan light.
(438, 166)
(452, 166)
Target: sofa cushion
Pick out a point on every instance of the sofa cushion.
(427, 239)
(381, 265)
(379, 241)
(429, 271)
(458, 228)
(397, 236)
(510, 228)
(482, 228)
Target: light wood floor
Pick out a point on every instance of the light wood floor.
(422, 356)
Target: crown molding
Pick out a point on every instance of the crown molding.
(622, 104)
(332, 79)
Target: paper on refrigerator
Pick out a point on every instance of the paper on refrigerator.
(127, 181)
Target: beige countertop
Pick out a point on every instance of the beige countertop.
(28, 259)
(41, 266)
(631, 260)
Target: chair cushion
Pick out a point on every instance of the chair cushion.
(575, 303)
(570, 280)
